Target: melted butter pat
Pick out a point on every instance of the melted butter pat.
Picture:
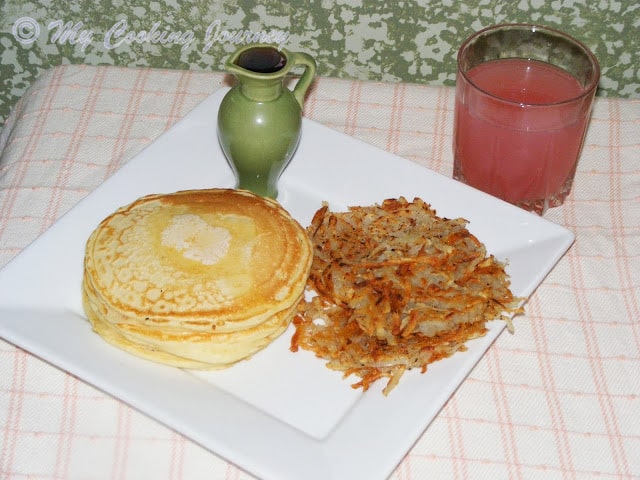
(196, 239)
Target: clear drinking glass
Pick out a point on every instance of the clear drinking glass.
(523, 101)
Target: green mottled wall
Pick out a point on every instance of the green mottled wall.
(410, 40)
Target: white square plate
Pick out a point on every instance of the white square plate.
(280, 415)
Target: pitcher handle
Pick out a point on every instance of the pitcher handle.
(299, 91)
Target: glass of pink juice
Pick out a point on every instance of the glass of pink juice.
(523, 101)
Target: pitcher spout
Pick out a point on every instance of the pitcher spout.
(260, 70)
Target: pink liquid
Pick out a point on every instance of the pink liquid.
(508, 140)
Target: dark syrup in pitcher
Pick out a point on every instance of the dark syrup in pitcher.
(261, 60)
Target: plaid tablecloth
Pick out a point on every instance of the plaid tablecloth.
(559, 399)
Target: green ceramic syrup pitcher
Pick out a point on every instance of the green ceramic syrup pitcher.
(260, 118)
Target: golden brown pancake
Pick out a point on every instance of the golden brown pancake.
(198, 278)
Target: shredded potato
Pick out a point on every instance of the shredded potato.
(394, 287)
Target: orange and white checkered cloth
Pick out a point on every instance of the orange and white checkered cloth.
(559, 399)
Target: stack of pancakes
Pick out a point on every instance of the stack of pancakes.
(195, 279)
